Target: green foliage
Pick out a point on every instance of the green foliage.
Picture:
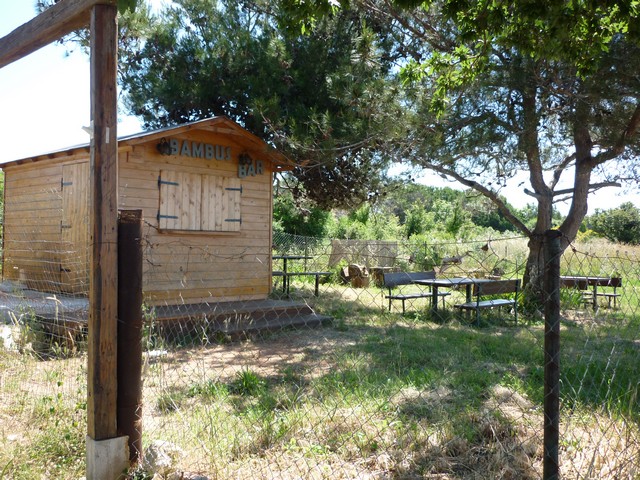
(409, 210)
(366, 224)
(421, 209)
(57, 431)
(573, 32)
(209, 389)
(327, 99)
(586, 236)
(418, 221)
(620, 224)
(424, 254)
(576, 32)
(170, 401)
(455, 220)
(402, 197)
(484, 214)
(290, 216)
(491, 89)
(127, 5)
(247, 382)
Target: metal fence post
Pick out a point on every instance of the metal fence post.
(129, 410)
(552, 254)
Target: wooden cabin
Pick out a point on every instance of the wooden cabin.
(205, 191)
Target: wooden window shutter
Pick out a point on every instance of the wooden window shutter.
(190, 201)
(221, 204)
(180, 200)
(231, 204)
(170, 213)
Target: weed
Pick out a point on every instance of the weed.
(170, 401)
(247, 382)
(210, 389)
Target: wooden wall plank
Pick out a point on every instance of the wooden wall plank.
(74, 229)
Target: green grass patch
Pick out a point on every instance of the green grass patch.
(400, 396)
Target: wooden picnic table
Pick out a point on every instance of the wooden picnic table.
(284, 272)
(286, 275)
(584, 282)
(286, 258)
(453, 282)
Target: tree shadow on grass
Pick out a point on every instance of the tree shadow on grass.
(455, 399)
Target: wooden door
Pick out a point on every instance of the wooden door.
(74, 228)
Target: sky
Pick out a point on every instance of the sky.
(44, 97)
(44, 103)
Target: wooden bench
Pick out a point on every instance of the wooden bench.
(614, 282)
(400, 279)
(287, 276)
(490, 288)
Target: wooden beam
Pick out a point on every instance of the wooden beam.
(54, 23)
(103, 289)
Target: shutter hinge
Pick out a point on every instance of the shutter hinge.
(166, 182)
(172, 217)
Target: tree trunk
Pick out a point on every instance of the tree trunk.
(534, 271)
(533, 291)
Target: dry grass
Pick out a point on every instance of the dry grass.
(313, 420)
(330, 419)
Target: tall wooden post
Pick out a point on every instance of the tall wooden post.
(107, 454)
(103, 296)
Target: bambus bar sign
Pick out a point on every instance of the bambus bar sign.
(247, 166)
(185, 148)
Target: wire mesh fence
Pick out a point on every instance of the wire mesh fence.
(312, 373)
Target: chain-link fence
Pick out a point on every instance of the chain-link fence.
(318, 376)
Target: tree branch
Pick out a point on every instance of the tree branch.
(559, 170)
(592, 188)
(490, 194)
(618, 148)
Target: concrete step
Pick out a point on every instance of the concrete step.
(235, 319)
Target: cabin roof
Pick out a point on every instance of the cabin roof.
(220, 125)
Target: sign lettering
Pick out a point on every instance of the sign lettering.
(185, 148)
(250, 169)
(247, 167)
